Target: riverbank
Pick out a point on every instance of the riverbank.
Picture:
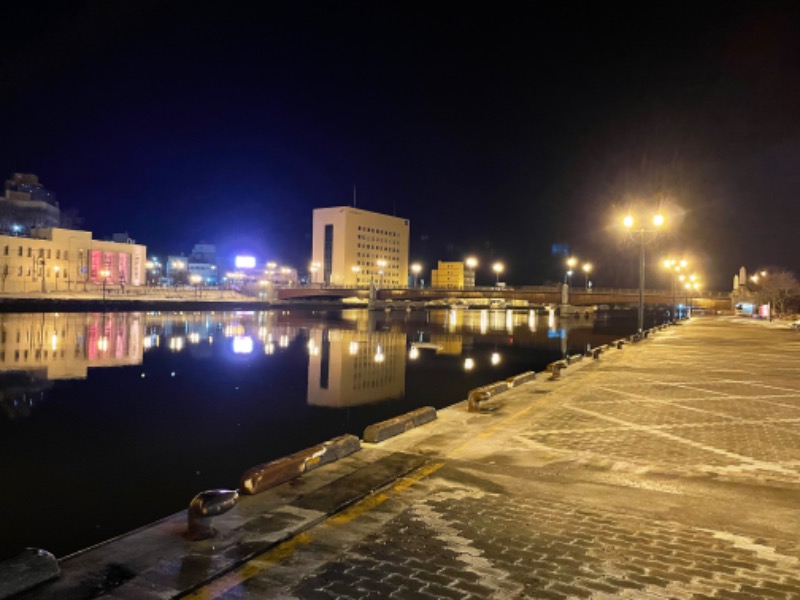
(615, 479)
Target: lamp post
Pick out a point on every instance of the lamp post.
(587, 268)
(498, 268)
(416, 269)
(472, 263)
(104, 273)
(195, 280)
(674, 267)
(313, 268)
(641, 230)
(571, 262)
(381, 269)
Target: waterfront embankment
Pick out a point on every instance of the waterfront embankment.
(664, 468)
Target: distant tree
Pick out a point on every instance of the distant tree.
(777, 287)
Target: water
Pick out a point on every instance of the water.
(111, 421)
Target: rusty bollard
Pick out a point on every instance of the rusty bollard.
(204, 507)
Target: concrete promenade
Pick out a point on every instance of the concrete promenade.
(666, 469)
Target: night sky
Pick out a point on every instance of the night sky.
(498, 129)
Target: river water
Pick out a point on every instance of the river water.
(110, 421)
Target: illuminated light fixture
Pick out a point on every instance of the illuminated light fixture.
(628, 221)
(379, 355)
(658, 220)
(495, 358)
(353, 348)
(242, 344)
(469, 364)
(245, 262)
(413, 353)
(269, 348)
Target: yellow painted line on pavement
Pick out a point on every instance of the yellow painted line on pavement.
(263, 562)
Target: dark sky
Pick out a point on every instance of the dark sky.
(498, 130)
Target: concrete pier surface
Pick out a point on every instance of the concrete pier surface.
(669, 468)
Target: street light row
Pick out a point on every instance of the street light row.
(572, 262)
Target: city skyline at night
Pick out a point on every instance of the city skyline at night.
(496, 133)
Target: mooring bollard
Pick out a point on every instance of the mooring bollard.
(204, 507)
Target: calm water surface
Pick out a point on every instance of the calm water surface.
(111, 421)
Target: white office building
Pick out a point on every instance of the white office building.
(355, 247)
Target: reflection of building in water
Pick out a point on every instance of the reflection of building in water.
(63, 346)
(348, 368)
(35, 349)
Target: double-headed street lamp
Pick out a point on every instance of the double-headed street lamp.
(631, 225)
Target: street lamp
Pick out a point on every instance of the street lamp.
(587, 268)
(381, 267)
(571, 262)
(674, 267)
(630, 223)
(416, 269)
(195, 280)
(498, 268)
(104, 273)
(472, 263)
(313, 268)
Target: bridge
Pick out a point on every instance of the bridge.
(534, 295)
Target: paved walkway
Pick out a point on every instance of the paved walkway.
(667, 469)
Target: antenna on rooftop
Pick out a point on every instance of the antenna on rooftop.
(354, 196)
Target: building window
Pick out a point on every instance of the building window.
(58, 254)
(48, 253)
(5, 250)
(327, 266)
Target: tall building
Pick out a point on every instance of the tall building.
(355, 247)
(27, 205)
(203, 262)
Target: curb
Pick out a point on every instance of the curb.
(518, 380)
(268, 475)
(377, 432)
(25, 570)
(484, 398)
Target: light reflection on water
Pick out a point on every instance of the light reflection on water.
(109, 407)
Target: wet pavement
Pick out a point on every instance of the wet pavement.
(666, 469)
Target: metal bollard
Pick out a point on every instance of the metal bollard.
(205, 506)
